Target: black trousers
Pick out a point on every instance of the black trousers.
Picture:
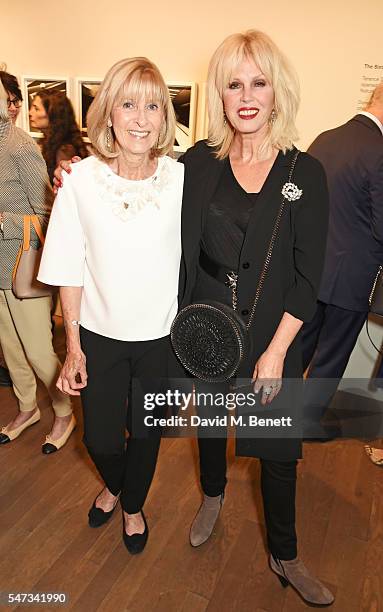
(278, 480)
(327, 343)
(119, 374)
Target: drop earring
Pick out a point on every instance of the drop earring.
(109, 135)
(273, 116)
(156, 147)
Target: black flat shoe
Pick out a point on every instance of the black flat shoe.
(97, 517)
(135, 543)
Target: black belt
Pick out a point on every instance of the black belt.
(216, 270)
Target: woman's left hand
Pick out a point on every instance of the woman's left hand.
(268, 375)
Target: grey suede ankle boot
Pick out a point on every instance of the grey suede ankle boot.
(205, 519)
(297, 575)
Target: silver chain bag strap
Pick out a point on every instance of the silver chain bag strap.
(211, 339)
(375, 302)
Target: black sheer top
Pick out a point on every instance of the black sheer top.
(227, 220)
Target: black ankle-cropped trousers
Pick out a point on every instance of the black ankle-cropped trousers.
(120, 373)
(278, 482)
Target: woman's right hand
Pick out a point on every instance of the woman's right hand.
(73, 375)
(63, 165)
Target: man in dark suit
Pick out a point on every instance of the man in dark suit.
(352, 156)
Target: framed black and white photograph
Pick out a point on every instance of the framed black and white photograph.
(184, 100)
(31, 85)
(86, 90)
(203, 116)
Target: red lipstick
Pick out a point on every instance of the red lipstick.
(248, 113)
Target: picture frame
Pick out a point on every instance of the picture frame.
(31, 85)
(203, 115)
(86, 89)
(184, 99)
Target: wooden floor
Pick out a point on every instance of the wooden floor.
(46, 544)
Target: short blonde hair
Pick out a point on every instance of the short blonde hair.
(256, 46)
(4, 116)
(131, 78)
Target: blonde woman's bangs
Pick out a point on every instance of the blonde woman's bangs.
(142, 85)
(246, 50)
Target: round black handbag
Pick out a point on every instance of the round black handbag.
(211, 339)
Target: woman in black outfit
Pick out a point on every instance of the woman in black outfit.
(232, 194)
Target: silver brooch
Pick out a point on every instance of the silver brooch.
(291, 192)
(232, 279)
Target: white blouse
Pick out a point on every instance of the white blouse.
(121, 241)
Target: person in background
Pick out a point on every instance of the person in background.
(114, 246)
(52, 113)
(14, 101)
(373, 453)
(25, 325)
(5, 378)
(352, 156)
(14, 95)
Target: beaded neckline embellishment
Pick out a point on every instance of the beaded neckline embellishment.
(128, 198)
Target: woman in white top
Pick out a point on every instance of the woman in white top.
(114, 247)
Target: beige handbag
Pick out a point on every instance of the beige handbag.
(24, 281)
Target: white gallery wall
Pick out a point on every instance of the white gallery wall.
(335, 45)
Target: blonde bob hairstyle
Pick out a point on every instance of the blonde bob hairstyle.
(259, 48)
(129, 79)
(3, 104)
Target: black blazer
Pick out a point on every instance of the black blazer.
(352, 156)
(294, 274)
